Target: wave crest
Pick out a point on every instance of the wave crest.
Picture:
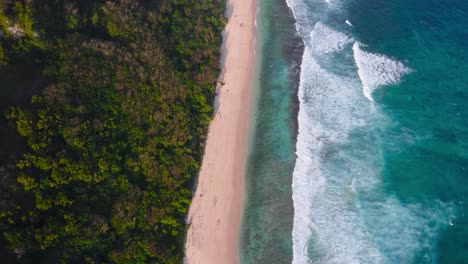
(325, 39)
(376, 70)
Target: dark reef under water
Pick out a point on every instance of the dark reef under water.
(266, 232)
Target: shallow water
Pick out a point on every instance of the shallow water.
(267, 222)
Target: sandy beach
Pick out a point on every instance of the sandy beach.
(216, 210)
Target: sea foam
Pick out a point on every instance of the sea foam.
(330, 108)
(341, 214)
(325, 39)
(376, 70)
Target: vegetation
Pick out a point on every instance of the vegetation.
(112, 100)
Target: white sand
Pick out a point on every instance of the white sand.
(216, 210)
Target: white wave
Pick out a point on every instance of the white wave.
(377, 70)
(334, 171)
(306, 20)
(325, 39)
(330, 107)
(335, 168)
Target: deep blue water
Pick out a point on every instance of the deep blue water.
(379, 171)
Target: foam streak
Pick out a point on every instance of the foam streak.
(376, 70)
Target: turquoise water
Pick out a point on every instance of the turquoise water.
(267, 222)
(378, 172)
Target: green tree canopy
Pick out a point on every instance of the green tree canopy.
(115, 131)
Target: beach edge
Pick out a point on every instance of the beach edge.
(215, 213)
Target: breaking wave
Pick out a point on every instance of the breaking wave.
(376, 70)
(341, 213)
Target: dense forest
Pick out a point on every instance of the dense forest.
(104, 110)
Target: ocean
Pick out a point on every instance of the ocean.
(359, 152)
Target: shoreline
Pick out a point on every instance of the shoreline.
(272, 155)
(215, 213)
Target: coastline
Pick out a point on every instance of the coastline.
(215, 213)
(268, 209)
